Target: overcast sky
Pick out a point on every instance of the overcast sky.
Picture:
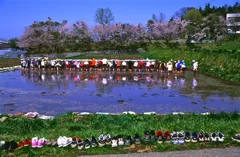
(15, 15)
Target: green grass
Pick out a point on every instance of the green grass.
(224, 65)
(19, 128)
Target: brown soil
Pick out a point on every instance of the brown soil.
(7, 62)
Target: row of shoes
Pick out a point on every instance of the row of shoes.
(149, 136)
(103, 140)
(181, 137)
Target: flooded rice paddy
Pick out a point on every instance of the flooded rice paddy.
(55, 93)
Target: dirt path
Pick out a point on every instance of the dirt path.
(223, 152)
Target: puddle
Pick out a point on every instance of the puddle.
(56, 93)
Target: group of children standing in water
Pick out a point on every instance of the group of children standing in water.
(108, 65)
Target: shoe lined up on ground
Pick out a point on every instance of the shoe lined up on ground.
(236, 137)
(149, 136)
(219, 136)
(128, 141)
(9, 145)
(176, 137)
(37, 143)
(180, 136)
(159, 136)
(101, 140)
(137, 139)
(64, 141)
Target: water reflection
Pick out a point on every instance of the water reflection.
(56, 79)
(59, 92)
(194, 83)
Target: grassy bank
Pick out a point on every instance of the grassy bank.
(218, 62)
(9, 62)
(19, 128)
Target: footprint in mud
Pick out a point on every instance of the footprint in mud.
(43, 93)
(99, 95)
(155, 94)
(9, 105)
(193, 102)
(62, 93)
(144, 95)
(204, 107)
(121, 101)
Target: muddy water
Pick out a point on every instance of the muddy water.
(54, 93)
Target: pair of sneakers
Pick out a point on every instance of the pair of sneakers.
(149, 136)
(117, 141)
(38, 143)
(104, 140)
(64, 141)
(87, 143)
(136, 139)
(195, 137)
(166, 136)
(76, 142)
(177, 137)
(24, 143)
(203, 137)
(219, 136)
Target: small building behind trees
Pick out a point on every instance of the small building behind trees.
(233, 22)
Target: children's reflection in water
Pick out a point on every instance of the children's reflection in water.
(53, 77)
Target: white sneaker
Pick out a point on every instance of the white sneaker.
(80, 144)
(66, 141)
(220, 136)
(2, 144)
(213, 137)
(114, 142)
(120, 141)
(101, 140)
(60, 141)
(108, 139)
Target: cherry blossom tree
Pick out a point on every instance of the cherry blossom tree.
(168, 30)
(47, 36)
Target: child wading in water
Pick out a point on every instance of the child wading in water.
(195, 67)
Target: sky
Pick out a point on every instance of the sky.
(15, 15)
